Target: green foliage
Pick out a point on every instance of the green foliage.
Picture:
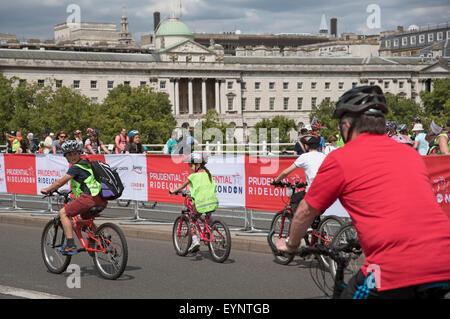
(30, 107)
(437, 102)
(280, 122)
(323, 113)
(214, 129)
(402, 110)
(136, 109)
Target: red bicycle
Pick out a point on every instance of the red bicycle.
(322, 230)
(214, 233)
(106, 244)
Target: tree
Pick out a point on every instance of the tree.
(323, 113)
(436, 102)
(139, 109)
(280, 122)
(214, 129)
(402, 110)
(6, 105)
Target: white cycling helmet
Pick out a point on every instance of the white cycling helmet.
(196, 158)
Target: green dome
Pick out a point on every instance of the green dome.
(173, 26)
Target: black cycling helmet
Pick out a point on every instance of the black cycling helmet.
(71, 146)
(310, 140)
(362, 99)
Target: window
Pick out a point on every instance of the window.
(229, 85)
(404, 41)
(110, 84)
(243, 102)
(313, 85)
(230, 103)
(143, 83)
(327, 85)
(41, 82)
(354, 84)
(271, 103)
(285, 85)
(372, 83)
(299, 103)
(396, 41)
(162, 85)
(58, 83)
(285, 103)
(440, 36)
(126, 83)
(299, 85)
(341, 85)
(430, 37)
(448, 34)
(257, 85)
(76, 84)
(93, 84)
(388, 43)
(421, 38)
(271, 85)
(313, 102)
(412, 40)
(400, 84)
(243, 86)
(386, 85)
(257, 103)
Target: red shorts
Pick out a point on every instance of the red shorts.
(83, 204)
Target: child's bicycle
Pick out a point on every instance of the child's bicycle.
(321, 232)
(215, 234)
(106, 244)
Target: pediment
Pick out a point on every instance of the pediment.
(188, 47)
(436, 68)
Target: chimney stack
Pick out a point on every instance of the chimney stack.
(156, 20)
(333, 27)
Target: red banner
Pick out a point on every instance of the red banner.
(439, 172)
(20, 173)
(164, 173)
(259, 173)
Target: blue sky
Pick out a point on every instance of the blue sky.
(36, 19)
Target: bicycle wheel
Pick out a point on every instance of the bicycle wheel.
(220, 248)
(181, 235)
(279, 228)
(112, 262)
(51, 241)
(346, 233)
(328, 228)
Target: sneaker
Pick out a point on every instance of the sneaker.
(195, 246)
(69, 250)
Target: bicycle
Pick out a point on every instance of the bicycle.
(215, 234)
(106, 244)
(320, 233)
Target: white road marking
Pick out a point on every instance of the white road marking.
(28, 294)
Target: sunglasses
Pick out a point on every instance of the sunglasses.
(63, 136)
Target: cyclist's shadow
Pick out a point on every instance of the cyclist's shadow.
(200, 255)
(88, 271)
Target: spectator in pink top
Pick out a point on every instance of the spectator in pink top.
(121, 141)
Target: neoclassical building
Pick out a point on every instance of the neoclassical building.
(242, 89)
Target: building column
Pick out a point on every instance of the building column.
(204, 102)
(217, 92)
(223, 96)
(190, 97)
(177, 96)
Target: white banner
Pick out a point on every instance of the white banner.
(132, 170)
(50, 168)
(2, 175)
(229, 174)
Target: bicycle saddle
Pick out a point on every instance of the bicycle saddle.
(96, 210)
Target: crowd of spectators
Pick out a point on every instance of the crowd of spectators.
(90, 143)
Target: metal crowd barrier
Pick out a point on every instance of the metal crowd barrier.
(245, 217)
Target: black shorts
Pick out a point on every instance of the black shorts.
(362, 287)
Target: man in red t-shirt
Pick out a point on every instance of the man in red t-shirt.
(384, 186)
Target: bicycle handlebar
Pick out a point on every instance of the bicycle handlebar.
(64, 193)
(332, 252)
(288, 184)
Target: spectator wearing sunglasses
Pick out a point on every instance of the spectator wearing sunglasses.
(61, 137)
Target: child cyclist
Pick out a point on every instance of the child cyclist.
(203, 192)
(84, 187)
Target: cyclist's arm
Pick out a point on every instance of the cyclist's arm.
(303, 219)
(443, 146)
(57, 184)
(105, 149)
(286, 172)
(186, 183)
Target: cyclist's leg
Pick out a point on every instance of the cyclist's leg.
(360, 287)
